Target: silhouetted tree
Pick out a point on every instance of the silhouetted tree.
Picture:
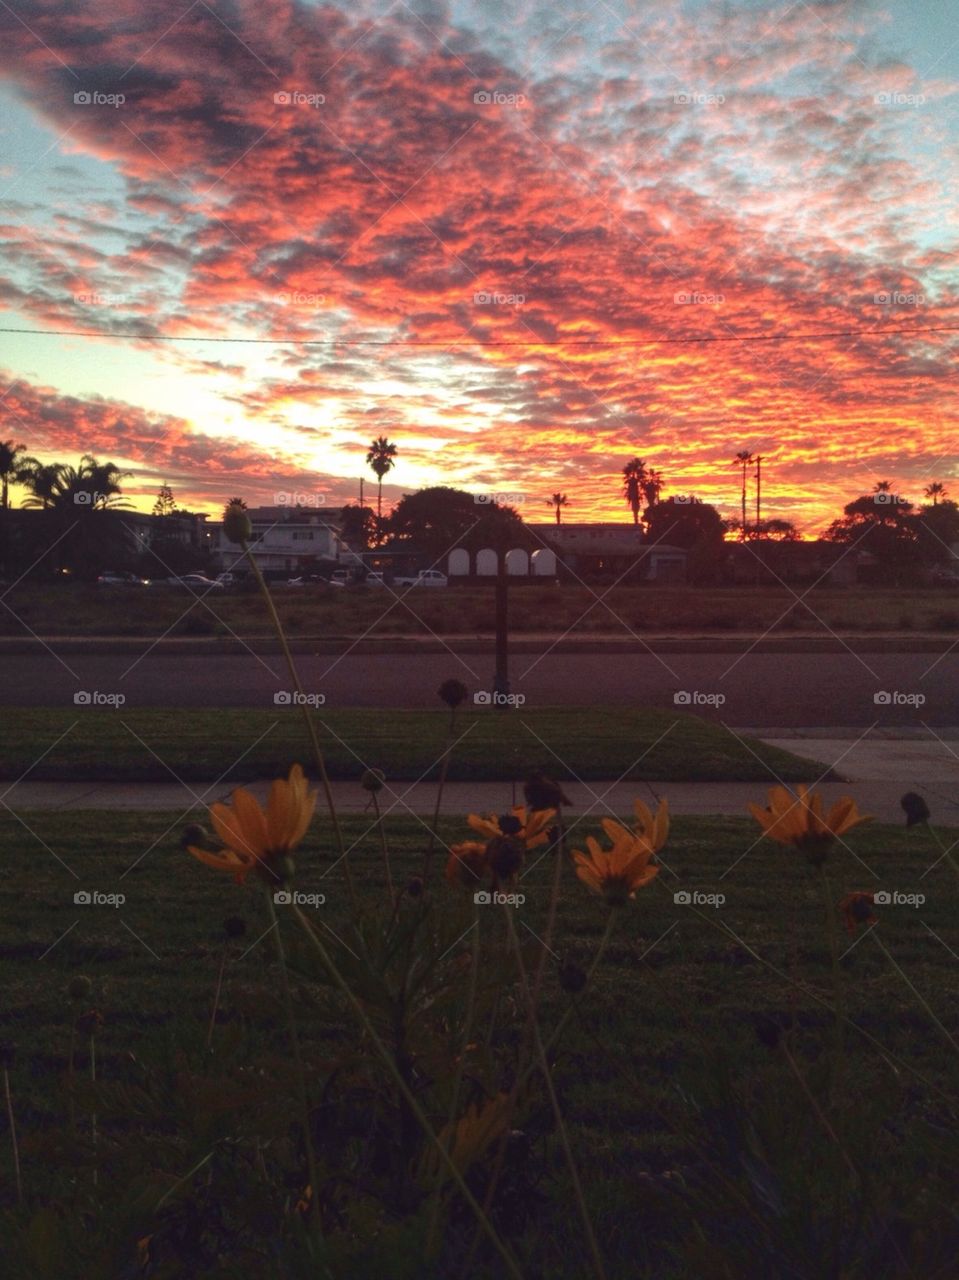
(358, 526)
(652, 486)
(634, 477)
(165, 504)
(380, 460)
(558, 500)
(436, 519)
(743, 459)
(694, 525)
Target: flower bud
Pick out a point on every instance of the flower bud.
(79, 987)
(373, 780)
(504, 856)
(193, 833)
(915, 808)
(236, 522)
(572, 979)
(453, 692)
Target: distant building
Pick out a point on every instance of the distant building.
(604, 548)
(766, 561)
(187, 527)
(286, 540)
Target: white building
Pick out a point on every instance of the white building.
(286, 541)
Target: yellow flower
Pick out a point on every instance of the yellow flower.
(618, 872)
(467, 866)
(799, 820)
(256, 838)
(531, 829)
(467, 1140)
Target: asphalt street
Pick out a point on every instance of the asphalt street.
(762, 690)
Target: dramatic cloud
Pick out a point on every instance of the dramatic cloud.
(488, 227)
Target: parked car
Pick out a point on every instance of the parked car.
(111, 578)
(425, 578)
(306, 580)
(196, 582)
(374, 580)
(340, 578)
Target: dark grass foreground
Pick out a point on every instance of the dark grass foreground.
(157, 745)
(692, 1077)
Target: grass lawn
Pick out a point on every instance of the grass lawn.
(700, 1152)
(603, 742)
(78, 609)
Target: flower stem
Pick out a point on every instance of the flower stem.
(385, 847)
(13, 1135)
(297, 1061)
(407, 1093)
(554, 1101)
(93, 1116)
(830, 910)
(460, 1067)
(308, 719)
(922, 1000)
(440, 786)
(216, 1000)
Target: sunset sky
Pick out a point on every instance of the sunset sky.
(482, 214)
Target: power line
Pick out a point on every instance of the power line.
(532, 341)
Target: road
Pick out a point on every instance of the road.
(762, 690)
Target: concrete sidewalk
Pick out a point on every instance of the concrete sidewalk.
(876, 768)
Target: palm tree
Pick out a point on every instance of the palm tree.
(936, 490)
(558, 500)
(882, 486)
(43, 480)
(634, 477)
(652, 486)
(743, 459)
(13, 460)
(380, 460)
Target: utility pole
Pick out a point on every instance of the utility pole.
(759, 462)
(501, 678)
(361, 492)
